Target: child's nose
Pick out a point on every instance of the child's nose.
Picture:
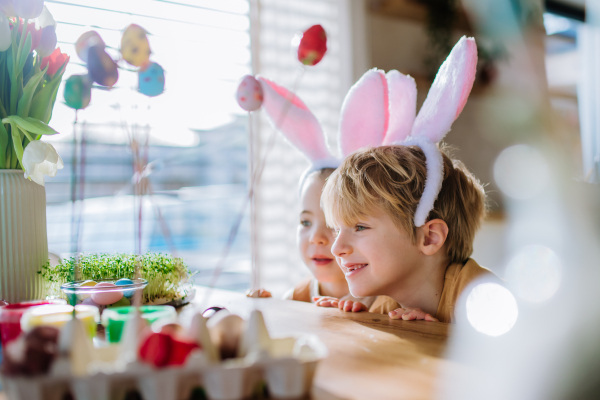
(340, 248)
(319, 237)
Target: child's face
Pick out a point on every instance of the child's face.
(314, 237)
(376, 257)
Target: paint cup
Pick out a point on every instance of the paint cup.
(11, 314)
(114, 319)
(57, 315)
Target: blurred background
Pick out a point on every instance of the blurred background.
(530, 63)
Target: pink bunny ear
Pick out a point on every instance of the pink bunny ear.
(403, 106)
(365, 113)
(295, 121)
(449, 92)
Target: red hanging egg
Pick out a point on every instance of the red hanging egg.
(313, 45)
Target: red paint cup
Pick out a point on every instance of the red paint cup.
(10, 317)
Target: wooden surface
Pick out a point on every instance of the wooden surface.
(370, 356)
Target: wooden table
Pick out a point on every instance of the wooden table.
(370, 356)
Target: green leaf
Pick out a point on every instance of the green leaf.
(16, 137)
(24, 53)
(3, 145)
(43, 101)
(30, 125)
(28, 137)
(15, 86)
(28, 92)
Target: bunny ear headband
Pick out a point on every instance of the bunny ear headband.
(380, 109)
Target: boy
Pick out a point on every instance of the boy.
(371, 200)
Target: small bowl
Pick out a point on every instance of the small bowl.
(114, 319)
(10, 317)
(105, 292)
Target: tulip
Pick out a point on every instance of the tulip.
(39, 159)
(54, 61)
(45, 19)
(7, 8)
(47, 42)
(28, 9)
(36, 34)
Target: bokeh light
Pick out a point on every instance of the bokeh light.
(521, 172)
(534, 273)
(491, 309)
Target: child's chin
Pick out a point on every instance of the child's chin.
(359, 291)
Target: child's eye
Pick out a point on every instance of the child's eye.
(360, 228)
(305, 223)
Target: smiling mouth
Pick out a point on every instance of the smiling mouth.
(322, 261)
(351, 270)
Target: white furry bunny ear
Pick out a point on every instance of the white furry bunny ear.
(297, 123)
(402, 91)
(448, 93)
(365, 113)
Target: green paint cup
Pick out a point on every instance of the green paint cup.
(113, 319)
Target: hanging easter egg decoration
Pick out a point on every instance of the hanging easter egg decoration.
(86, 41)
(102, 68)
(151, 79)
(249, 94)
(135, 47)
(312, 46)
(78, 91)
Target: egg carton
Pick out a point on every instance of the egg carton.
(285, 365)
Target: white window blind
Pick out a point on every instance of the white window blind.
(322, 88)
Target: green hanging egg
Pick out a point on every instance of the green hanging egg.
(78, 91)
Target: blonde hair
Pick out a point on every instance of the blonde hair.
(393, 178)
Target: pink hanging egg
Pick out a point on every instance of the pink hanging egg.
(249, 94)
(108, 297)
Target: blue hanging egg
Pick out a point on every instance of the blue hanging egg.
(151, 80)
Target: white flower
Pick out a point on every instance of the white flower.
(39, 159)
(45, 19)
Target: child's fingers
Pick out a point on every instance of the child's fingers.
(397, 313)
(348, 306)
(358, 307)
(431, 318)
(341, 304)
(265, 293)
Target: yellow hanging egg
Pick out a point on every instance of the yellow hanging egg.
(135, 47)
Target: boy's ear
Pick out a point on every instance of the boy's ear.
(432, 236)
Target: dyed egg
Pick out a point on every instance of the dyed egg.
(124, 302)
(313, 45)
(249, 94)
(5, 38)
(123, 282)
(109, 297)
(88, 283)
(151, 80)
(78, 93)
(102, 68)
(86, 41)
(226, 332)
(135, 47)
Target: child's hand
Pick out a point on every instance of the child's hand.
(258, 293)
(344, 305)
(326, 301)
(352, 306)
(409, 314)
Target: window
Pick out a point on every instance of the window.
(197, 135)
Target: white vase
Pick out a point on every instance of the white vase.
(23, 237)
